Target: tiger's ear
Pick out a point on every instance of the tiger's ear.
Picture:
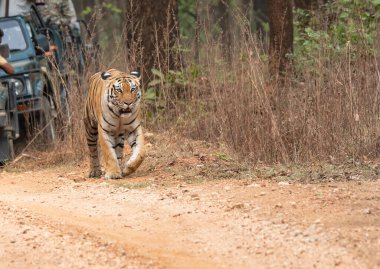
(105, 75)
(136, 72)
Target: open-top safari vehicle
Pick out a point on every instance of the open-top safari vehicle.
(34, 96)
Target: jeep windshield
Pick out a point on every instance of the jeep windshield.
(13, 35)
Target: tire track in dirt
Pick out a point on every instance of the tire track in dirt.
(32, 240)
(210, 225)
(79, 209)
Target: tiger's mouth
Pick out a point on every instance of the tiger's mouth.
(125, 110)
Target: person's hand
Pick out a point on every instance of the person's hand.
(50, 53)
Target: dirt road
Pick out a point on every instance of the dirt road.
(57, 218)
(188, 206)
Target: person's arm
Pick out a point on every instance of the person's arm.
(6, 66)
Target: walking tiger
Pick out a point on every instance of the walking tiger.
(112, 114)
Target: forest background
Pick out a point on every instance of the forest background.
(275, 81)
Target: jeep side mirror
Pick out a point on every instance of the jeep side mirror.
(42, 43)
(4, 50)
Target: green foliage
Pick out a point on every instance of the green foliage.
(336, 26)
(223, 156)
(162, 82)
(112, 21)
(152, 92)
(113, 8)
(173, 80)
(356, 21)
(86, 11)
(109, 7)
(187, 17)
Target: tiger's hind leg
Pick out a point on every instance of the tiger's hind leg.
(136, 141)
(92, 143)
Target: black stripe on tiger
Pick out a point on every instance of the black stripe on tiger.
(105, 130)
(131, 132)
(104, 118)
(120, 145)
(109, 141)
(92, 140)
(113, 112)
(93, 133)
(132, 121)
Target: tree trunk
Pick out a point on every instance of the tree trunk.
(260, 13)
(197, 31)
(246, 9)
(152, 34)
(222, 19)
(303, 4)
(280, 35)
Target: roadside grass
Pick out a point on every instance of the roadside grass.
(319, 172)
(175, 159)
(219, 118)
(128, 185)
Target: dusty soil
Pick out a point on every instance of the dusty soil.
(191, 207)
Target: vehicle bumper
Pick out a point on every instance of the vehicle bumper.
(29, 105)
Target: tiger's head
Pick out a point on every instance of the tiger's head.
(123, 90)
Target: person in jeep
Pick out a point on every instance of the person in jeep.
(59, 15)
(59, 12)
(7, 67)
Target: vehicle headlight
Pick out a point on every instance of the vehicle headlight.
(18, 85)
(38, 87)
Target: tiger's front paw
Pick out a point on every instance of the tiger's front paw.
(128, 170)
(110, 175)
(95, 173)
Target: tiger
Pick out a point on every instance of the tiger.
(111, 115)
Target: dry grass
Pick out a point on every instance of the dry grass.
(326, 111)
(329, 111)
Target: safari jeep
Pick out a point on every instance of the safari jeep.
(32, 103)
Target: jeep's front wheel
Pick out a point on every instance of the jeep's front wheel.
(7, 152)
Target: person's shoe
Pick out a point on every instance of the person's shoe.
(3, 118)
